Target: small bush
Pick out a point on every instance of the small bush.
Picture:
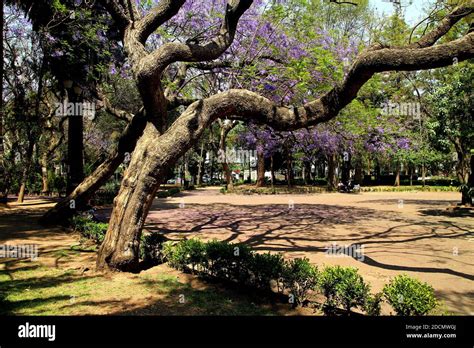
(89, 228)
(162, 194)
(220, 257)
(372, 305)
(409, 296)
(299, 276)
(174, 190)
(343, 287)
(151, 248)
(185, 255)
(265, 268)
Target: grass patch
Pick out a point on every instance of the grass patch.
(32, 289)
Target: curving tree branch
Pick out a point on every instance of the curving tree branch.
(244, 104)
(164, 11)
(444, 26)
(169, 53)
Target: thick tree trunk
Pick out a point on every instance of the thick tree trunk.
(153, 154)
(346, 170)
(332, 179)
(464, 174)
(62, 211)
(120, 249)
(228, 176)
(260, 169)
(423, 174)
(272, 171)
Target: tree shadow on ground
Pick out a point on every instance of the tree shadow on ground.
(448, 213)
(310, 228)
(422, 202)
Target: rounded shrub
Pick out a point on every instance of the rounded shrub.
(409, 296)
(265, 268)
(299, 276)
(343, 287)
(372, 305)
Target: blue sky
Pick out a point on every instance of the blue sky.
(413, 12)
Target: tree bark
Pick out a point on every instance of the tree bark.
(464, 174)
(26, 170)
(307, 172)
(358, 173)
(260, 169)
(154, 152)
(75, 150)
(62, 211)
(397, 176)
(200, 166)
(224, 131)
(332, 179)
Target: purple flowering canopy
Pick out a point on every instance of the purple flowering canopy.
(274, 63)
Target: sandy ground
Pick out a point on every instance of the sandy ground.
(410, 233)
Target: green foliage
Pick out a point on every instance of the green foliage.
(299, 276)
(174, 190)
(162, 194)
(227, 261)
(151, 248)
(343, 287)
(265, 268)
(409, 296)
(184, 254)
(409, 188)
(238, 263)
(372, 304)
(89, 229)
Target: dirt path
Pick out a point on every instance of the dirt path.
(409, 233)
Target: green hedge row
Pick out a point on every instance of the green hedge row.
(342, 287)
(409, 188)
(89, 229)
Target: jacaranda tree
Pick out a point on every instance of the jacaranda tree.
(169, 43)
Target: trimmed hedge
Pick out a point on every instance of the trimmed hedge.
(343, 287)
(239, 264)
